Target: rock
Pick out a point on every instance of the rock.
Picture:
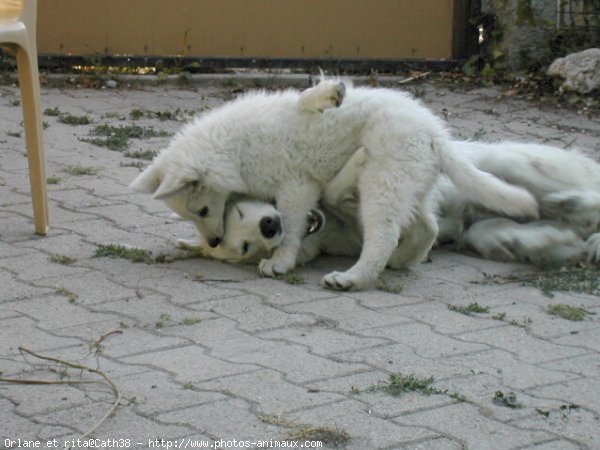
(111, 84)
(581, 71)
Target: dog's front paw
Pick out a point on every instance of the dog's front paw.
(193, 246)
(273, 267)
(340, 281)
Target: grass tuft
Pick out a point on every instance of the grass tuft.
(70, 119)
(62, 259)
(81, 170)
(568, 312)
(72, 296)
(147, 155)
(472, 308)
(399, 384)
(291, 278)
(331, 437)
(135, 255)
(117, 138)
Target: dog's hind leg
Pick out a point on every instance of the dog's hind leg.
(386, 208)
(341, 193)
(418, 239)
(325, 95)
(541, 243)
(592, 248)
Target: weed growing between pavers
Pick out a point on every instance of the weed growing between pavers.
(291, 278)
(67, 118)
(117, 138)
(81, 170)
(137, 164)
(54, 112)
(332, 437)
(399, 384)
(581, 279)
(62, 259)
(147, 155)
(70, 119)
(177, 115)
(72, 296)
(469, 309)
(53, 180)
(135, 255)
(568, 312)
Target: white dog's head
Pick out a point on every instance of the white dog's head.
(196, 194)
(253, 230)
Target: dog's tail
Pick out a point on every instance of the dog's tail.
(484, 188)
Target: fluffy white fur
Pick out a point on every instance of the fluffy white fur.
(566, 184)
(286, 146)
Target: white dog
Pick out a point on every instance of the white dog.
(286, 146)
(565, 183)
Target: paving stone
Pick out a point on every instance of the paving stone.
(296, 363)
(152, 392)
(586, 365)
(464, 423)
(16, 289)
(414, 335)
(23, 332)
(512, 372)
(346, 313)
(153, 312)
(190, 364)
(269, 392)
(250, 312)
(232, 419)
(322, 339)
(364, 428)
(517, 341)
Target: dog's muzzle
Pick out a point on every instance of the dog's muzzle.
(270, 226)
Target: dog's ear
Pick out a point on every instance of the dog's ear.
(148, 181)
(171, 184)
(162, 186)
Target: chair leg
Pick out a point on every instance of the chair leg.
(30, 97)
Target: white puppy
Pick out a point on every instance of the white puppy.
(281, 147)
(566, 184)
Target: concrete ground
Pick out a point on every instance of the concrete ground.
(205, 353)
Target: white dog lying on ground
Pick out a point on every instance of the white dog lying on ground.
(565, 183)
(286, 146)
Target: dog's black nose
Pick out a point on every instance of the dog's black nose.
(214, 242)
(270, 226)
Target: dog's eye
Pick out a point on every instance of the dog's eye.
(245, 247)
(202, 212)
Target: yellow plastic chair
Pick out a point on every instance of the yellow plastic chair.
(17, 33)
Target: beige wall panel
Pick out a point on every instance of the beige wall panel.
(248, 28)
